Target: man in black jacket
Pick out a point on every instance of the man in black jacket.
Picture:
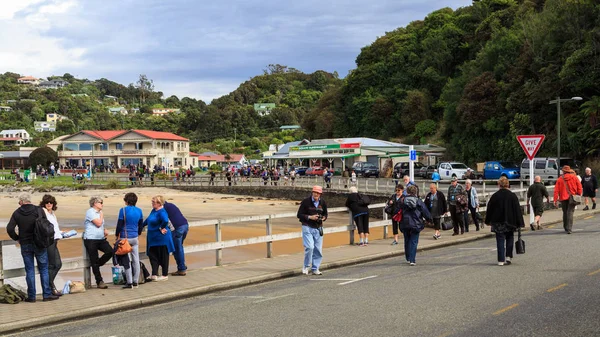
(24, 218)
(311, 213)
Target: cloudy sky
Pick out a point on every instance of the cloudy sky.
(195, 48)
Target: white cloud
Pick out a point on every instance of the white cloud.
(206, 89)
(9, 8)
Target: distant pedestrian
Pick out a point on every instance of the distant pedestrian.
(436, 204)
(353, 178)
(566, 186)
(535, 197)
(590, 188)
(24, 218)
(293, 176)
(505, 217)
(414, 212)
(212, 178)
(456, 211)
(181, 227)
(396, 202)
(228, 177)
(312, 213)
(159, 242)
(435, 176)
(472, 205)
(94, 239)
(327, 177)
(48, 204)
(359, 207)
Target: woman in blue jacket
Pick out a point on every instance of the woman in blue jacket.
(128, 226)
(413, 213)
(159, 241)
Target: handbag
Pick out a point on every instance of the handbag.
(573, 199)
(389, 209)
(398, 216)
(77, 287)
(447, 223)
(123, 246)
(520, 244)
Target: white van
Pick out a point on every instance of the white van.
(547, 168)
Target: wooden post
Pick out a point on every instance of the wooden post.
(351, 224)
(219, 252)
(269, 243)
(385, 228)
(1, 265)
(87, 275)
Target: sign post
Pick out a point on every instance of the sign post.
(531, 145)
(411, 162)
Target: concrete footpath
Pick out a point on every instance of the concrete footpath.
(96, 302)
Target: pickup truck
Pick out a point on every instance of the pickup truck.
(449, 170)
(497, 169)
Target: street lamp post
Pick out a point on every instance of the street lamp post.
(557, 101)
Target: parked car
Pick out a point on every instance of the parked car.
(405, 170)
(365, 169)
(301, 170)
(426, 171)
(318, 171)
(309, 171)
(547, 168)
(449, 170)
(497, 169)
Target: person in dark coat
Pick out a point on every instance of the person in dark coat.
(535, 197)
(505, 216)
(414, 212)
(590, 188)
(396, 202)
(436, 204)
(311, 213)
(359, 206)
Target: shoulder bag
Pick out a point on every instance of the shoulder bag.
(123, 246)
(520, 244)
(447, 223)
(573, 199)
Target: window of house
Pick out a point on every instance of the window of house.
(103, 146)
(85, 147)
(119, 146)
(70, 147)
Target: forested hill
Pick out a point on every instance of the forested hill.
(474, 78)
(86, 104)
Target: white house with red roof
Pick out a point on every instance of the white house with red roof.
(28, 80)
(14, 137)
(125, 147)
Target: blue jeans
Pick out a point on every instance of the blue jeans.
(313, 247)
(501, 238)
(179, 235)
(28, 251)
(411, 241)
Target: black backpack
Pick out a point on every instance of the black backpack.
(43, 231)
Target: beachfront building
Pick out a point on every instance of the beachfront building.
(15, 159)
(126, 147)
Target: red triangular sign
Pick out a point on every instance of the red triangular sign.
(531, 144)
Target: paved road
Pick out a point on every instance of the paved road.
(455, 291)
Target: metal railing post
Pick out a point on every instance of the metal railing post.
(1, 265)
(377, 184)
(351, 224)
(219, 251)
(483, 193)
(385, 227)
(87, 275)
(269, 243)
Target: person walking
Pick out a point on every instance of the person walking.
(435, 176)
(458, 219)
(129, 221)
(48, 204)
(590, 188)
(414, 212)
(472, 205)
(505, 217)
(159, 243)
(359, 207)
(408, 182)
(436, 204)
(311, 213)
(23, 218)
(94, 239)
(396, 202)
(535, 197)
(566, 186)
(181, 226)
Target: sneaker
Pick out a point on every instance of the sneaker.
(316, 272)
(586, 208)
(413, 264)
(102, 285)
(128, 286)
(435, 237)
(507, 261)
(500, 263)
(394, 243)
(135, 285)
(305, 270)
(361, 244)
(162, 278)
(153, 278)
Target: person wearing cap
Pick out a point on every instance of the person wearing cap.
(567, 185)
(311, 213)
(458, 218)
(359, 206)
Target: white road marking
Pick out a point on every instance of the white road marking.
(346, 280)
(562, 229)
(360, 279)
(478, 248)
(222, 296)
(273, 298)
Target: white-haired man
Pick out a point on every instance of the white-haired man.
(590, 188)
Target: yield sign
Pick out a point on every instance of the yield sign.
(531, 144)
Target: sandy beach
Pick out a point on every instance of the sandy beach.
(195, 206)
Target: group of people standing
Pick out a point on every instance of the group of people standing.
(166, 226)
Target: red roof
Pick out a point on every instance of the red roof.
(10, 138)
(110, 134)
(193, 154)
(27, 78)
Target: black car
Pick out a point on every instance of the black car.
(403, 169)
(365, 169)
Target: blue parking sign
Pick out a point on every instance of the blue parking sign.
(413, 155)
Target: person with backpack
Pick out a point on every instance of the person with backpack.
(414, 212)
(48, 204)
(25, 219)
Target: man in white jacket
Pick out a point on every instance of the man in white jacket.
(473, 203)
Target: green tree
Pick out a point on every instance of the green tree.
(42, 156)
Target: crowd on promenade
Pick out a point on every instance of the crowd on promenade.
(166, 229)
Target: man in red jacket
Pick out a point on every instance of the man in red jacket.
(567, 181)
